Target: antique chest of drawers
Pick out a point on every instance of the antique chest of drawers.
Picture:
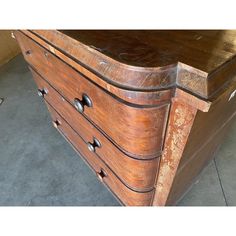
(145, 109)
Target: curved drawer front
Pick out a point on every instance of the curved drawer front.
(104, 173)
(138, 130)
(135, 173)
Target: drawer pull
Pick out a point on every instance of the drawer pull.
(79, 104)
(42, 92)
(101, 175)
(92, 146)
(56, 123)
(28, 52)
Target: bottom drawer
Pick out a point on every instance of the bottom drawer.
(103, 172)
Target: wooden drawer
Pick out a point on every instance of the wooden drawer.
(136, 174)
(104, 173)
(145, 99)
(137, 130)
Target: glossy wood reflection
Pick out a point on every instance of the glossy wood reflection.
(137, 174)
(147, 110)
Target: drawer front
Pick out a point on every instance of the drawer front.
(134, 173)
(104, 173)
(138, 130)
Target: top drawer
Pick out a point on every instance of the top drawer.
(136, 130)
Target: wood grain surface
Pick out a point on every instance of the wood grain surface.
(136, 174)
(123, 193)
(138, 131)
(160, 102)
(198, 61)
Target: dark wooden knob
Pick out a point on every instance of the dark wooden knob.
(56, 123)
(28, 52)
(92, 146)
(42, 92)
(101, 175)
(86, 100)
(79, 104)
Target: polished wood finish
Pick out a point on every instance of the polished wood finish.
(199, 61)
(146, 109)
(136, 174)
(123, 193)
(143, 126)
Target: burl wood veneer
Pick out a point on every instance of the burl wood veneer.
(147, 110)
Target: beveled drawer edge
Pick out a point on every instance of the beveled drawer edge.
(121, 180)
(131, 155)
(107, 166)
(88, 164)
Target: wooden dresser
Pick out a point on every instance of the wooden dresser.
(146, 110)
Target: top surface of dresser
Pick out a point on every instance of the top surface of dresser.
(204, 50)
(201, 62)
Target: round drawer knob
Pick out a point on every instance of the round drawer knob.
(28, 52)
(87, 101)
(79, 104)
(56, 123)
(42, 92)
(92, 146)
(101, 175)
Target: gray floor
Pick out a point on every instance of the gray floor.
(39, 168)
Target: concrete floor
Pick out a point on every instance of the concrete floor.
(39, 168)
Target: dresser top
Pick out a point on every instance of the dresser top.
(201, 62)
(204, 50)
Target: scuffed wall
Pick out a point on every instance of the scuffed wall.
(8, 47)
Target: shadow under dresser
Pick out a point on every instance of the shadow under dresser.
(145, 109)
